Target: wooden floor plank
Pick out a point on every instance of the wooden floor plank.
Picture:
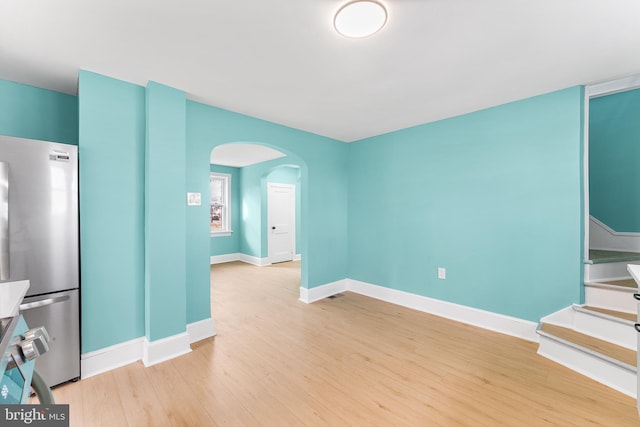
(139, 403)
(101, 404)
(348, 361)
(181, 402)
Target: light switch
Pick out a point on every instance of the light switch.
(194, 199)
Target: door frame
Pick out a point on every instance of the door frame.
(596, 90)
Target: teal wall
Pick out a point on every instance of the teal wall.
(253, 240)
(112, 150)
(31, 112)
(165, 212)
(290, 175)
(614, 150)
(492, 196)
(284, 175)
(252, 212)
(222, 245)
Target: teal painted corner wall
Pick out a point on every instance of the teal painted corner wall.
(492, 196)
(112, 140)
(35, 113)
(165, 212)
(198, 131)
(222, 245)
(253, 240)
(614, 150)
(114, 127)
(324, 177)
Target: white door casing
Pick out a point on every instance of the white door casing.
(281, 211)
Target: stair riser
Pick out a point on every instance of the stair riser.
(615, 332)
(594, 272)
(607, 373)
(611, 299)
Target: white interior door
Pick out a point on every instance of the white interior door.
(281, 208)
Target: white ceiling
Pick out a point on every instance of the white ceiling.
(241, 155)
(282, 60)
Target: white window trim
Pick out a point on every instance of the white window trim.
(228, 231)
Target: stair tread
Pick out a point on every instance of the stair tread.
(594, 344)
(597, 256)
(623, 283)
(620, 314)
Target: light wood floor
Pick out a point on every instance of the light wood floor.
(347, 361)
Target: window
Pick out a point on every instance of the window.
(220, 211)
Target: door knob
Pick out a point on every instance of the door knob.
(637, 326)
(637, 296)
(273, 228)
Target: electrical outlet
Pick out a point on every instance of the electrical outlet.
(442, 273)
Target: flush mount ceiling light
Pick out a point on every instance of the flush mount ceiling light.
(360, 18)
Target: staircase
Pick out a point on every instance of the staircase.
(598, 339)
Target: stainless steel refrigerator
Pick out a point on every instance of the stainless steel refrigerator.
(39, 242)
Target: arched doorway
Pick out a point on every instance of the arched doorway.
(240, 174)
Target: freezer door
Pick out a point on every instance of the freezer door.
(59, 314)
(42, 214)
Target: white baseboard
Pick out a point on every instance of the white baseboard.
(297, 257)
(201, 329)
(112, 357)
(604, 237)
(115, 356)
(320, 292)
(260, 262)
(219, 259)
(154, 352)
(508, 325)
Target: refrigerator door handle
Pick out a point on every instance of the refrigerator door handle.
(4, 221)
(42, 303)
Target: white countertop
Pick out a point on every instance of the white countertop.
(11, 295)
